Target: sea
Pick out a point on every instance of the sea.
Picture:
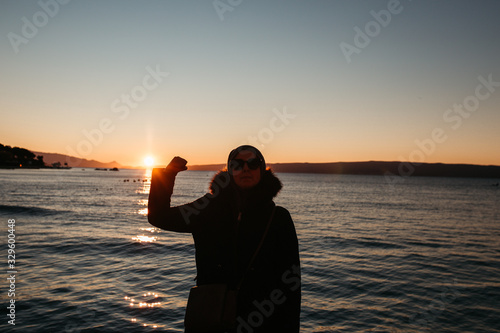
(378, 254)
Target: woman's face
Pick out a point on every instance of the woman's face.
(246, 178)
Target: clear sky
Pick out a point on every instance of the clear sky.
(304, 81)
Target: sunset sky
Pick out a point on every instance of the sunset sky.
(304, 81)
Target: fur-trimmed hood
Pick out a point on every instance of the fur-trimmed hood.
(268, 187)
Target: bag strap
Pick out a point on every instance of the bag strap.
(258, 248)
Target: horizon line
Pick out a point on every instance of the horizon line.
(416, 163)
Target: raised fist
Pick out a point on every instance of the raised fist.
(177, 164)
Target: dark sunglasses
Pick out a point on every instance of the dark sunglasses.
(237, 164)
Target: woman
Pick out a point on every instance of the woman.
(228, 225)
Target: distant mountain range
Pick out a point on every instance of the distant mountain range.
(379, 168)
(76, 162)
(353, 168)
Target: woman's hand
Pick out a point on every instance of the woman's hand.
(177, 164)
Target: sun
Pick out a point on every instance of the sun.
(149, 161)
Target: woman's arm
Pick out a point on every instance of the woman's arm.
(185, 218)
(160, 214)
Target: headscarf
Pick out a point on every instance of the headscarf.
(236, 151)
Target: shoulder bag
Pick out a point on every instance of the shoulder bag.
(212, 307)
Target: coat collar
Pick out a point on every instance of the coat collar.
(263, 193)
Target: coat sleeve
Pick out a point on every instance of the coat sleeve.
(185, 218)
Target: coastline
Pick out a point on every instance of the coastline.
(391, 169)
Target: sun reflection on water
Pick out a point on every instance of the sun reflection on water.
(146, 182)
(151, 229)
(144, 301)
(143, 203)
(148, 172)
(134, 320)
(144, 239)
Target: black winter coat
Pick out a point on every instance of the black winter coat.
(227, 225)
